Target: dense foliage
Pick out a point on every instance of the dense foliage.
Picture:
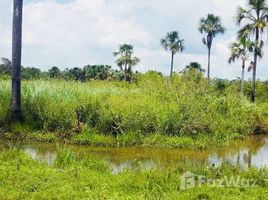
(83, 74)
(183, 106)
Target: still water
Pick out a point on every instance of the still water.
(250, 152)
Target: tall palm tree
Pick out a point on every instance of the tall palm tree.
(16, 60)
(211, 26)
(173, 43)
(242, 49)
(126, 60)
(256, 22)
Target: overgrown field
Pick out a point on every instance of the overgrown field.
(103, 112)
(72, 177)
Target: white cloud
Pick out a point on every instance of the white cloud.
(88, 31)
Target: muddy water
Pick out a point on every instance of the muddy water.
(251, 152)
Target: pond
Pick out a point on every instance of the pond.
(250, 152)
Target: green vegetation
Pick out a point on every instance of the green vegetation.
(74, 177)
(118, 113)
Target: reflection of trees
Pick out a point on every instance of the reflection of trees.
(253, 148)
(249, 158)
(238, 158)
(256, 143)
(238, 153)
(247, 148)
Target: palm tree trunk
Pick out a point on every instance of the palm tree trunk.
(242, 77)
(172, 60)
(16, 60)
(253, 95)
(208, 73)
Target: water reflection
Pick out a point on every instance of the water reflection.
(250, 152)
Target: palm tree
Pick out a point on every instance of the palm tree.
(242, 49)
(173, 43)
(16, 60)
(211, 27)
(125, 60)
(256, 22)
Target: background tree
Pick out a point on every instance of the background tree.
(98, 72)
(77, 74)
(255, 18)
(194, 66)
(125, 60)
(5, 66)
(242, 49)
(173, 43)
(16, 60)
(54, 72)
(211, 27)
(30, 73)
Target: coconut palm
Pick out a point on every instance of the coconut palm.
(173, 43)
(125, 60)
(211, 26)
(255, 19)
(16, 60)
(242, 49)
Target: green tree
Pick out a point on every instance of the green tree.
(54, 72)
(98, 72)
(194, 66)
(77, 74)
(173, 43)
(5, 66)
(255, 18)
(16, 60)
(242, 49)
(211, 26)
(30, 73)
(125, 60)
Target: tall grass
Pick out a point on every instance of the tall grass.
(182, 106)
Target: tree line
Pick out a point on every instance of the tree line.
(83, 74)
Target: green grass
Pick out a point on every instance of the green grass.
(73, 177)
(176, 112)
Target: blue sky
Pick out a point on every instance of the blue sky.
(70, 33)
